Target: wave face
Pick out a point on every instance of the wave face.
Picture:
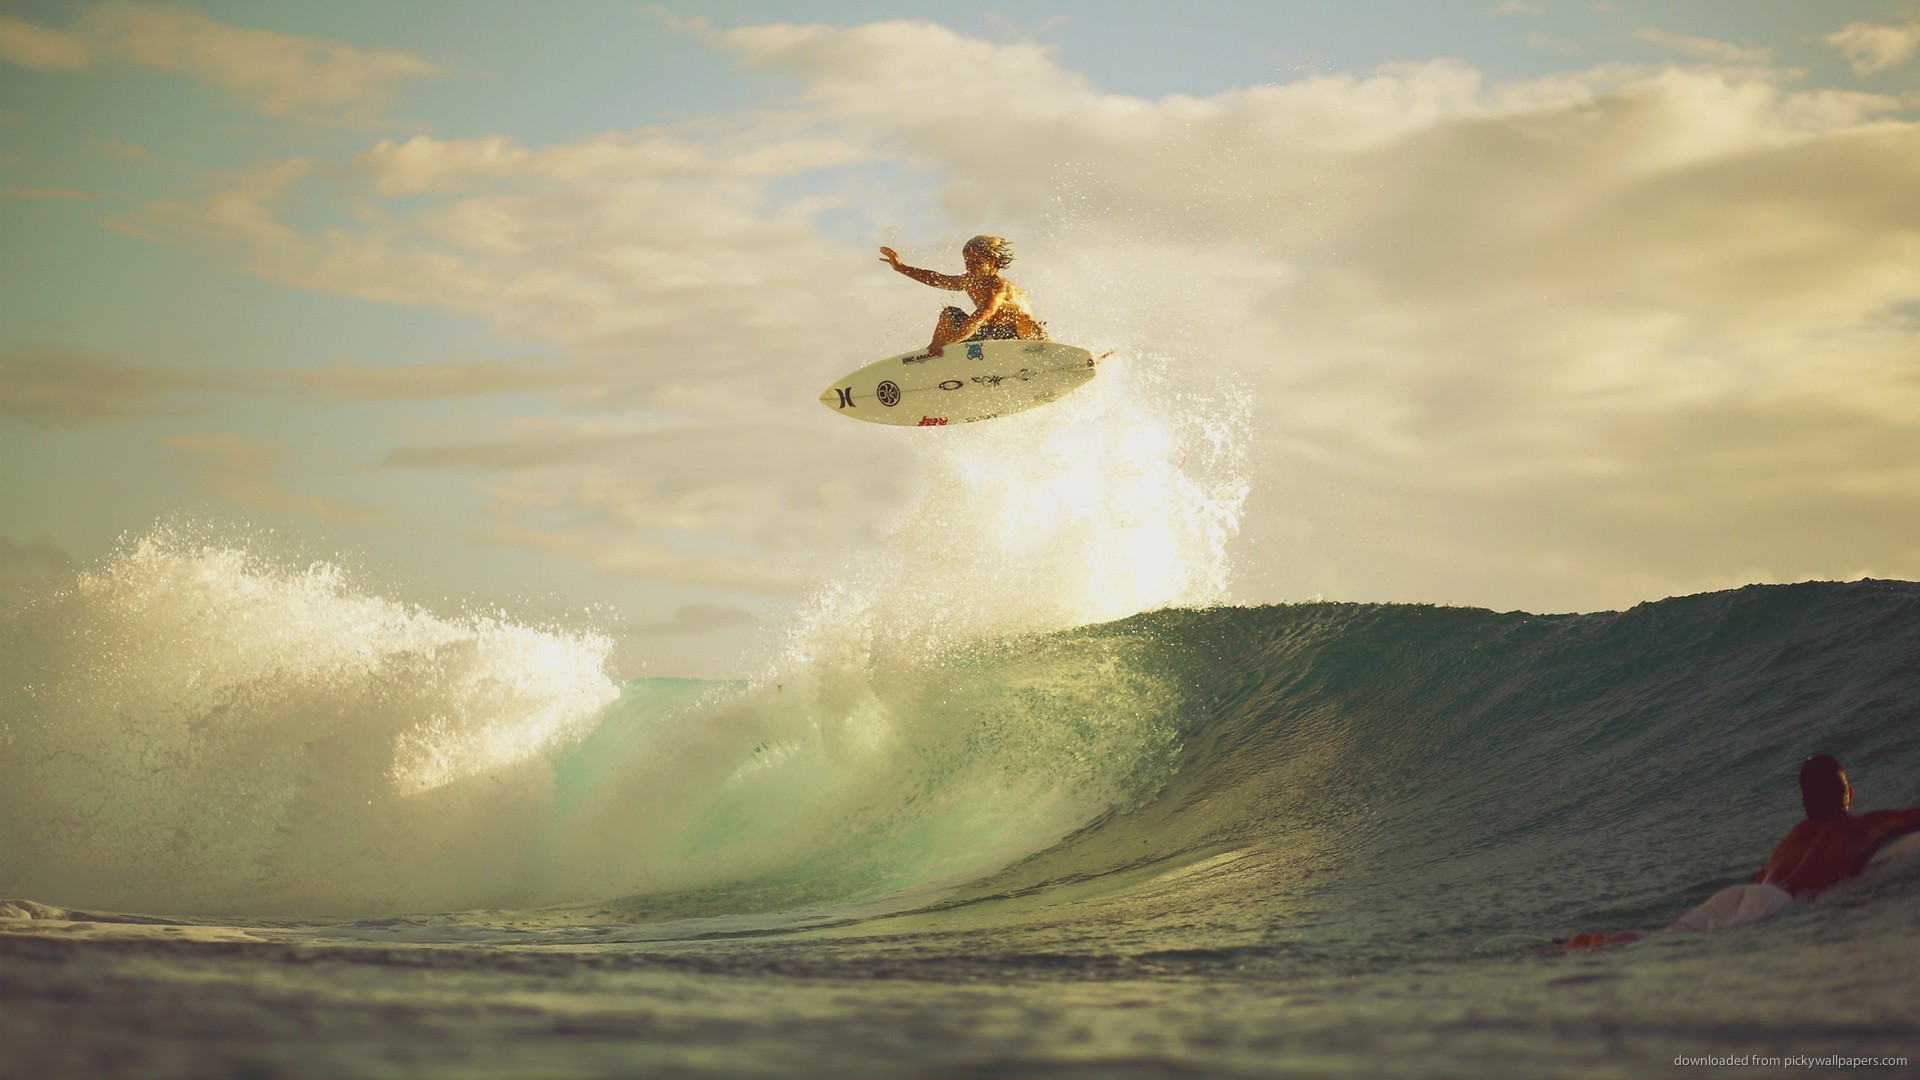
(1351, 776)
(1408, 778)
(194, 730)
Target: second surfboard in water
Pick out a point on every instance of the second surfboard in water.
(969, 381)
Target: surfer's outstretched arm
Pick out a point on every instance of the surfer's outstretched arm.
(924, 277)
(1884, 825)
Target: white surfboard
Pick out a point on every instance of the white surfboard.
(1899, 849)
(969, 381)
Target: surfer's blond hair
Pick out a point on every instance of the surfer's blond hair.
(997, 250)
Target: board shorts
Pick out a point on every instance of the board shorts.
(988, 332)
(1735, 905)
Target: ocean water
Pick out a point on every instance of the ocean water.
(1040, 807)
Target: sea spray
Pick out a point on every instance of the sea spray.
(1120, 498)
(191, 728)
(849, 782)
(918, 727)
(923, 725)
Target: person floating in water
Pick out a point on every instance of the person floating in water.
(1829, 846)
(1000, 309)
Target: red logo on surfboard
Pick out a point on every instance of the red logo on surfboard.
(932, 421)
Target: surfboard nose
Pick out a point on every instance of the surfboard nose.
(838, 397)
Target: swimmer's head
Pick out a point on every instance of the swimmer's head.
(997, 251)
(1824, 790)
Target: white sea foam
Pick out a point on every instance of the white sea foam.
(192, 728)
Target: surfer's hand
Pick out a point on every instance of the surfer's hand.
(890, 257)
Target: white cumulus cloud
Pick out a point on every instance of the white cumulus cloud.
(278, 74)
(1704, 48)
(1556, 342)
(1872, 47)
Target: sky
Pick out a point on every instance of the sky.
(1530, 305)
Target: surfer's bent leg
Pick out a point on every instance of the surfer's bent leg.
(946, 331)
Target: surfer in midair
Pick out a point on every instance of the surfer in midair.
(1830, 845)
(1000, 309)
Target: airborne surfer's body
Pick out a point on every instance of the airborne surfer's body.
(1008, 365)
(1000, 308)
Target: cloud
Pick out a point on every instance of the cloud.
(1506, 339)
(424, 382)
(242, 471)
(54, 384)
(302, 78)
(25, 45)
(1708, 49)
(700, 152)
(692, 503)
(1872, 48)
(68, 386)
(51, 193)
(1516, 7)
(534, 443)
(697, 619)
(665, 246)
(649, 262)
(118, 150)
